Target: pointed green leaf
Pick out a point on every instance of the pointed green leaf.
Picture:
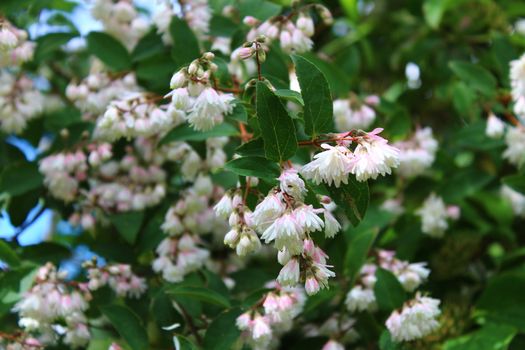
(128, 325)
(254, 166)
(128, 224)
(277, 128)
(109, 50)
(475, 76)
(8, 255)
(358, 249)
(389, 293)
(318, 107)
(222, 332)
(199, 293)
(516, 182)
(185, 45)
(353, 198)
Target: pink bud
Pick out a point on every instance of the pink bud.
(250, 21)
(246, 52)
(453, 212)
(311, 285)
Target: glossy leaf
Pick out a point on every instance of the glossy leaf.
(185, 45)
(254, 166)
(277, 128)
(352, 198)
(199, 293)
(475, 76)
(109, 50)
(318, 107)
(128, 224)
(389, 293)
(223, 332)
(128, 325)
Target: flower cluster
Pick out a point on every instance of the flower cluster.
(417, 154)
(293, 36)
(285, 219)
(495, 127)
(20, 102)
(517, 83)
(415, 320)
(118, 277)
(350, 114)
(19, 341)
(121, 20)
(196, 13)
(135, 115)
(15, 49)
(434, 214)
(101, 183)
(272, 316)
(362, 298)
(180, 253)
(94, 93)
(515, 141)
(371, 157)
(194, 97)
(54, 308)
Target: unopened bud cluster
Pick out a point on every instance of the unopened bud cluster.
(293, 36)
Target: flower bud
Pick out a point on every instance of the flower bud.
(250, 21)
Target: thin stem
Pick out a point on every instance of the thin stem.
(257, 48)
(191, 325)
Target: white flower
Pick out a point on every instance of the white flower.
(331, 225)
(268, 210)
(417, 153)
(373, 156)
(333, 345)
(290, 273)
(515, 140)
(360, 299)
(307, 218)
(348, 117)
(413, 275)
(416, 320)
(495, 127)
(286, 233)
(516, 200)
(7, 39)
(208, 109)
(517, 77)
(330, 166)
(433, 216)
(291, 184)
(305, 24)
(224, 207)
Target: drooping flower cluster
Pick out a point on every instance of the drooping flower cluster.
(371, 157)
(415, 320)
(272, 316)
(94, 93)
(100, 183)
(194, 97)
(197, 13)
(54, 308)
(121, 19)
(285, 219)
(15, 49)
(350, 114)
(362, 298)
(434, 214)
(135, 115)
(20, 102)
(181, 252)
(417, 154)
(292, 36)
(118, 277)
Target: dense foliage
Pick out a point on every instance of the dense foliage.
(254, 174)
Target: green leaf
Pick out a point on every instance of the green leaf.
(109, 50)
(503, 300)
(43, 252)
(128, 224)
(259, 9)
(474, 75)
(49, 43)
(290, 95)
(223, 332)
(351, 9)
(386, 342)
(8, 255)
(148, 46)
(185, 132)
(254, 148)
(222, 26)
(199, 293)
(490, 337)
(358, 249)
(128, 325)
(318, 113)
(516, 182)
(433, 11)
(277, 128)
(18, 178)
(353, 198)
(389, 293)
(185, 45)
(254, 166)
(183, 343)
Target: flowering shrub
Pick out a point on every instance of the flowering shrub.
(256, 174)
